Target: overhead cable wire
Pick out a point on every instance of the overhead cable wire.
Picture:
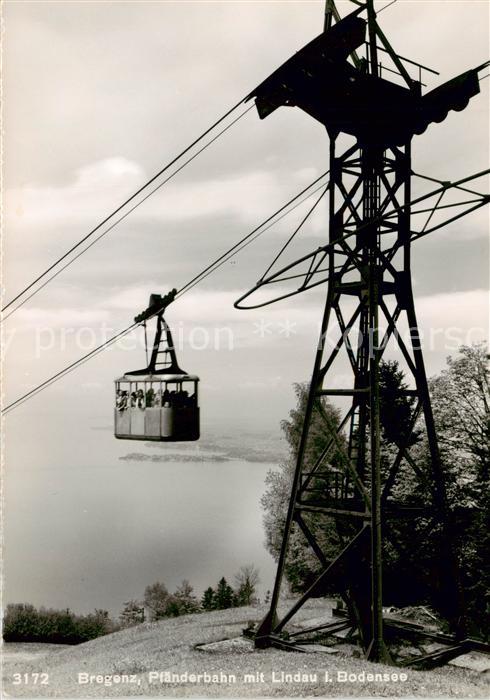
(385, 7)
(257, 228)
(69, 368)
(126, 214)
(271, 220)
(248, 242)
(125, 203)
(301, 224)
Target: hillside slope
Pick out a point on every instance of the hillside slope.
(134, 662)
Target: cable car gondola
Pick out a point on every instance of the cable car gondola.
(159, 402)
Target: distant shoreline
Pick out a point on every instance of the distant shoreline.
(255, 449)
(203, 457)
(174, 457)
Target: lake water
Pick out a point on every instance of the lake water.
(86, 529)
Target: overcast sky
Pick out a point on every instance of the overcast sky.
(98, 97)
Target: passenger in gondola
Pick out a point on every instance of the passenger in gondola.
(140, 398)
(133, 399)
(150, 397)
(121, 400)
(158, 399)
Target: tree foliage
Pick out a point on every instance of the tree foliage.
(246, 581)
(208, 601)
(461, 404)
(395, 408)
(183, 601)
(301, 563)
(133, 613)
(460, 401)
(224, 595)
(156, 600)
(25, 623)
(160, 603)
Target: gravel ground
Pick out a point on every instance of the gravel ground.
(141, 656)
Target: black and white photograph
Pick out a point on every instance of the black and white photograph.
(244, 325)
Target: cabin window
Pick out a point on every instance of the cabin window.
(175, 394)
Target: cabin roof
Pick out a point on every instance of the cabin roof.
(157, 377)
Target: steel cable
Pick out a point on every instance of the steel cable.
(195, 280)
(121, 206)
(126, 214)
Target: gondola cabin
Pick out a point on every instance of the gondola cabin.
(153, 407)
(160, 402)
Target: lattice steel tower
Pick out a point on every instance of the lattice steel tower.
(366, 261)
